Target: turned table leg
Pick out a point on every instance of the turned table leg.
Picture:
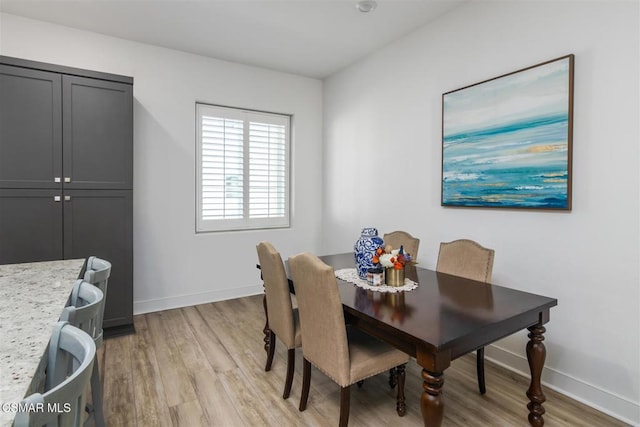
(401, 405)
(266, 330)
(432, 401)
(536, 354)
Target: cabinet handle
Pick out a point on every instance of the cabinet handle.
(56, 179)
(67, 179)
(67, 198)
(56, 198)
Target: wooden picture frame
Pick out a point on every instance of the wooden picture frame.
(507, 141)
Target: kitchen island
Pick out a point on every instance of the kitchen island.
(32, 297)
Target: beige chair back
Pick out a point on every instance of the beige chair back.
(466, 258)
(324, 336)
(276, 286)
(397, 238)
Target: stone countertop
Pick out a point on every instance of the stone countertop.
(32, 297)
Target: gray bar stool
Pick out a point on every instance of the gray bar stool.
(87, 302)
(70, 360)
(97, 273)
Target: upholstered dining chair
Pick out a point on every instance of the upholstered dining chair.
(283, 318)
(468, 259)
(411, 245)
(402, 238)
(70, 359)
(343, 353)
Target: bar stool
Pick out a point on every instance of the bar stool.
(87, 302)
(70, 360)
(97, 273)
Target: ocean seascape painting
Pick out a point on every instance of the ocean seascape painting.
(507, 142)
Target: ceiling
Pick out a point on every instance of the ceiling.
(313, 38)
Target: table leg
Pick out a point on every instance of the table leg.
(401, 406)
(432, 401)
(536, 354)
(266, 330)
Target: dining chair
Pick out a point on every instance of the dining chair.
(283, 318)
(468, 259)
(410, 245)
(343, 353)
(70, 360)
(83, 312)
(402, 238)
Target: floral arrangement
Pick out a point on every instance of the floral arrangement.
(389, 257)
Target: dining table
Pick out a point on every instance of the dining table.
(32, 298)
(443, 318)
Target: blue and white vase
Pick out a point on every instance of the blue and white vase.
(364, 249)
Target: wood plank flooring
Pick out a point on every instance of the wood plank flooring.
(204, 366)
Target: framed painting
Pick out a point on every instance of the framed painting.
(507, 141)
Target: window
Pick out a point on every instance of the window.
(242, 169)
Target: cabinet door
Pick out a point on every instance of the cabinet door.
(98, 134)
(99, 222)
(30, 225)
(30, 128)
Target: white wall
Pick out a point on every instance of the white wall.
(382, 129)
(172, 265)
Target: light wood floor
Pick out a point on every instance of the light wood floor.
(204, 366)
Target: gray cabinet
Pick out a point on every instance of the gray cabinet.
(30, 225)
(66, 172)
(97, 127)
(100, 223)
(30, 128)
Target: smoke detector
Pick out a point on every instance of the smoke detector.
(365, 6)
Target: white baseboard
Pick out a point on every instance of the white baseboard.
(160, 304)
(604, 401)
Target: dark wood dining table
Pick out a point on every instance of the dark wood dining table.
(444, 318)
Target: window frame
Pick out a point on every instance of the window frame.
(246, 222)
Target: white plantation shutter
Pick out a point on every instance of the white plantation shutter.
(243, 169)
(267, 166)
(222, 168)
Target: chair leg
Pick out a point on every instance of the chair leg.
(270, 350)
(480, 369)
(291, 364)
(96, 410)
(401, 407)
(344, 406)
(392, 377)
(306, 382)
